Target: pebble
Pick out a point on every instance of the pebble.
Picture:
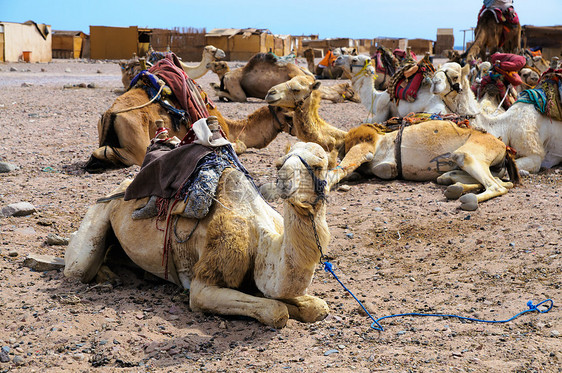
(17, 360)
(349, 235)
(344, 188)
(377, 209)
(78, 357)
(53, 239)
(18, 209)
(13, 253)
(329, 352)
(4, 357)
(67, 70)
(555, 333)
(25, 84)
(7, 167)
(41, 263)
(13, 69)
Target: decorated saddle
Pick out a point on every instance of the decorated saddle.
(384, 61)
(406, 82)
(546, 98)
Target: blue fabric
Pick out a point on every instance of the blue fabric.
(536, 97)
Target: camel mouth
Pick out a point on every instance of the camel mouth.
(272, 100)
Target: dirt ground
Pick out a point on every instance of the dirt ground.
(399, 246)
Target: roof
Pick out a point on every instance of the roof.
(68, 33)
(246, 32)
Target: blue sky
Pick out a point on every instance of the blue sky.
(328, 18)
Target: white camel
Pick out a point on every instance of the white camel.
(536, 137)
(210, 54)
(379, 103)
(242, 243)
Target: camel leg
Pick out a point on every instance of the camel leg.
(118, 156)
(354, 158)
(226, 301)
(307, 308)
(529, 164)
(233, 90)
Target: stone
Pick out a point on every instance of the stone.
(67, 70)
(13, 69)
(344, 188)
(4, 357)
(42, 263)
(555, 333)
(18, 209)
(53, 239)
(92, 85)
(25, 84)
(17, 360)
(7, 167)
(329, 352)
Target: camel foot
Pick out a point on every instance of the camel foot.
(307, 308)
(469, 202)
(524, 173)
(106, 275)
(386, 171)
(269, 192)
(454, 191)
(147, 211)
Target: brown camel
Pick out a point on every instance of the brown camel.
(336, 93)
(260, 73)
(124, 137)
(492, 36)
(330, 71)
(242, 258)
(307, 123)
(433, 150)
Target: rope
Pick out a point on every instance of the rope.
(143, 105)
(503, 99)
(328, 267)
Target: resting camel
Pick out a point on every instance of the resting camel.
(493, 36)
(124, 137)
(243, 245)
(307, 123)
(536, 137)
(131, 68)
(336, 93)
(433, 150)
(254, 79)
(379, 103)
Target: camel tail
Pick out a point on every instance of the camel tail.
(512, 169)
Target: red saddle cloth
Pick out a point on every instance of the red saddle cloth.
(408, 88)
(508, 65)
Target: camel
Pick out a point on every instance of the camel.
(493, 35)
(326, 69)
(536, 60)
(336, 93)
(130, 69)
(241, 248)
(537, 138)
(385, 64)
(302, 95)
(254, 79)
(380, 104)
(124, 137)
(438, 150)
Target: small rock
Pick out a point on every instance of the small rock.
(99, 71)
(13, 69)
(349, 235)
(7, 167)
(13, 253)
(43, 70)
(17, 360)
(67, 70)
(18, 209)
(329, 352)
(377, 209)
(555, 333)
(78, 357)
(4, 357)
(41, 263)
(25, 84)
(82, 85)
(344, 188)
(53, 239)
(222, 325)
(92, 85)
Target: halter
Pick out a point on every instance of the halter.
(363, 71)
(298, 103)
(454, 87)
(319, 184)
(276, 118)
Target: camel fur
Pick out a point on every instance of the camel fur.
(302, 95)
(130, 68)
(241, 246)
(124, 137)
(432, 150)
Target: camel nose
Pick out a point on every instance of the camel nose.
(284, 187)
(271, 96)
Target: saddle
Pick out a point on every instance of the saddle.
(546, 99)
(405, 84)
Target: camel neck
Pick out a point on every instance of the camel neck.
(311, 126)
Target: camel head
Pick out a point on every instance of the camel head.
(529, 77)
(213, 53)
(450, 79)
(353, 65)
(292, 93)
(301, 174)
(218, 67)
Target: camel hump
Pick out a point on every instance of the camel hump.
(261, 58)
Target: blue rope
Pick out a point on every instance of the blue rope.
(328, 267)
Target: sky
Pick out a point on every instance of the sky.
(357, 19)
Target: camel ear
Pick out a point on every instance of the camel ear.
(316, 85)
(465, 70)
(287, 147)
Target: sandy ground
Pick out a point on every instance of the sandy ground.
(399, 246)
